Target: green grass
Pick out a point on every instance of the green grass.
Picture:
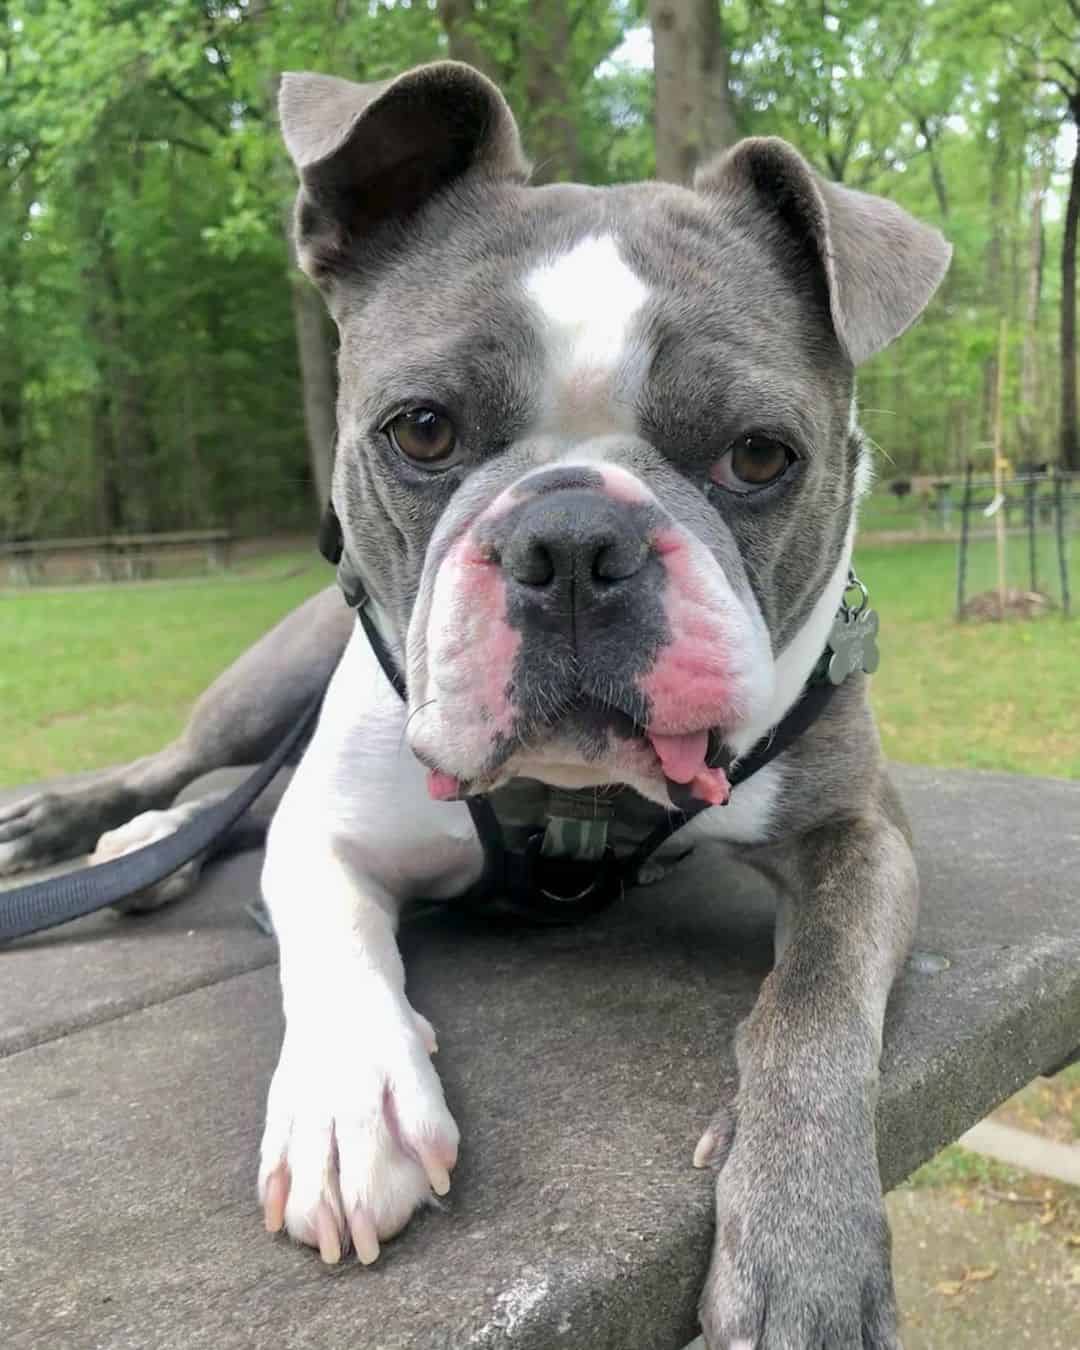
(883, 512)
(971, 695)
(956, 1166)
(95, 675)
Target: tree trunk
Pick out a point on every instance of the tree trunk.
(1028, 425)
(1070, 445)
(694, 117)
(319, 379)
(100, 287)
(12, 380)
(462, 30)
(314, 344)
(133, 444)
(551, 126)
(994, 287)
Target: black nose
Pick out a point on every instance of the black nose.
(577, 546)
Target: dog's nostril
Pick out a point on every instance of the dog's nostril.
(534, 565)
(617, 559)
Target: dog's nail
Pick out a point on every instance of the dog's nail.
(706, 1145)
(365, 1239)
(277, 1193)
(427, 1033)
(326, 1230)
(437, 1165)
(439, 1178)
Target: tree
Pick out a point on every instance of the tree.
(694, 117)
(1044, 40)
(155, 370)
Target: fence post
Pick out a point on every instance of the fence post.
(961, 567)
(1059, 521)
(1029, 491)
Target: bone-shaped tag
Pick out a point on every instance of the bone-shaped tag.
(853, 641)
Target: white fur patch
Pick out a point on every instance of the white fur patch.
(864, 467)
(588, 298)
(864, 473)
(746, 818)
(793, 666)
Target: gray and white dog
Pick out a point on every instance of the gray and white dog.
(597, 470)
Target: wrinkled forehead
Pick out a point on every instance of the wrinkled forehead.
(579, 296)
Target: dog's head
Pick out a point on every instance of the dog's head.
(597, 459)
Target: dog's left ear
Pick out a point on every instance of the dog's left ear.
(881, 265)
(370, 154)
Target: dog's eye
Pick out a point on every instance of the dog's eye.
(422, 434)
(754, 461)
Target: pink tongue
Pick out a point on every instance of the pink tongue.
(443, 787)
(682, 757)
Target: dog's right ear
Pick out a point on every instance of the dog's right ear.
(370, 153)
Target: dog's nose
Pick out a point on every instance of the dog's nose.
(578, 546)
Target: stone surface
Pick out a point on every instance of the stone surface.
(580, 1064)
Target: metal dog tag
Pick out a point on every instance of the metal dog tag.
(853, 642)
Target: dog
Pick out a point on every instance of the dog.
(595, 493)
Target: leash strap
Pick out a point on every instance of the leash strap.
(44, 904)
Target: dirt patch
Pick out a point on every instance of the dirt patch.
(978, 1269)
(1019, 604)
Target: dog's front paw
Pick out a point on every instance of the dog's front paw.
(148, 828)
(357, 1133)
(801, 1262)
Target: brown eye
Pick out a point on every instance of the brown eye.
(753, 462)
(422, 434)
(759, 459)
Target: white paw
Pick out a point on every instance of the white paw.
(144, 829)
(357, 1132)
(651, 871)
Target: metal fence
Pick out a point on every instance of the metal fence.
(1014, 538)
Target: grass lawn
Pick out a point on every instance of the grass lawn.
(972, 695)
(94, 675)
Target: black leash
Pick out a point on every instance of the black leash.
(44, 904)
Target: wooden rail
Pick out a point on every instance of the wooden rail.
(115, 556)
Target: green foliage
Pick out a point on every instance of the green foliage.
(945, 106)
(148, 372)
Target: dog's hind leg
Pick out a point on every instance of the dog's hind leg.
(238, 720)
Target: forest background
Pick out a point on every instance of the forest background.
(162, 365)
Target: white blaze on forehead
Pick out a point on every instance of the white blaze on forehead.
(588, 298)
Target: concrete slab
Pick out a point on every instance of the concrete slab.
(581, 1065)
(108, 964)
